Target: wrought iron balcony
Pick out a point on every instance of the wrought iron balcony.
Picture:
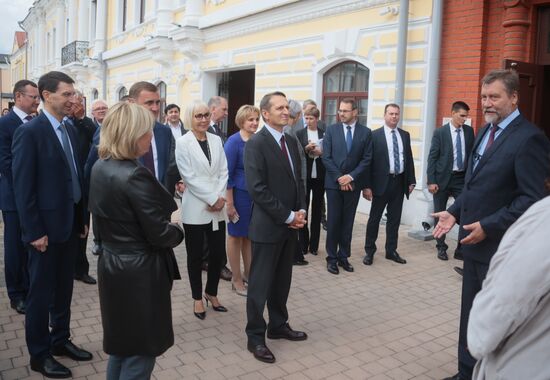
(76, 51)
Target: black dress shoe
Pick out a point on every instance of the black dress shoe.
(18, 306)
(71, 351)
(204, 266)
(324, 225)
(221, 308)
(367, 260)
(51, 368)
(346, 266)
(332, 268)
(86, 278)
(225, 274)
(458, 256)
(455, 377)
(287, 333)
(262, 353)
(442, 254)
(394, 256)
(314, 253)
(459, 270)
(300, 262)
(97, 250)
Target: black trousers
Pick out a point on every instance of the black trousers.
(309, 238)
(341, 207)
(474, 274)
(269, 281)
(453, 189)
(195, 235)
(393, 199)
(51, 276)
(15, 258)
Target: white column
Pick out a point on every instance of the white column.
(83, 20)
(41, 43)
(100, 26)
(164, 17)
(193, 10)
(59, 33)
(73, 20)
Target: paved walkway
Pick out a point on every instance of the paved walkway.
(388, 321)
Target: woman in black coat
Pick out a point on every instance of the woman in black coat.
(136, 270)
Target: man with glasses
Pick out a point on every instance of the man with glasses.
(27, 101)
(347, 154)
(47, 183)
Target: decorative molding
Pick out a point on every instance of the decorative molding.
(216, 2)
(161, 50)
(189, 41)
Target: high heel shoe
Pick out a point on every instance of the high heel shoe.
(216, 308)
(242, 292)
(200, 315)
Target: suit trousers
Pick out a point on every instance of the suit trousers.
(341, 207)
(474, 274)
(393, 199)
(269, 281)
(82, 266)
(453, 189)
(15, 258)
(130, 367)
(51, 276)
(195, 236)
(315, 191)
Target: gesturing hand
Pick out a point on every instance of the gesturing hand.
(445, 223)
(476, 233)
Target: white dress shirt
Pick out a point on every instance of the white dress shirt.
(313, 137)
(454, 135)
(389, 142)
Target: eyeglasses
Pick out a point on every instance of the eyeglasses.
(33, 97)
(344, 111)
(201, 116)
(100, 109)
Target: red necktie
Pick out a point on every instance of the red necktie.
(283, 149)
(491, 140)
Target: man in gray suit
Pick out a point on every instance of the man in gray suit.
(447, 162)
(273, 180)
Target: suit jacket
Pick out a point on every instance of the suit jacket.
(218, 132)
(506, 181)
(8, 124)
(338, 161)
(381, 162)
(42, 182)
(86, 129)
(301, 135)
(274, 188)
(440, 158)
(205, 181)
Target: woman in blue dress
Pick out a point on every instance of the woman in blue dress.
(239, 204)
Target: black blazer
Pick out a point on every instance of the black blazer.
(338, 161)
(507, 180)
(274, 189)
(440, 158)
(8, 124)
(381, 163)
(302, 138)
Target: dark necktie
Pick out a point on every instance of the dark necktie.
(149, 160)
(349, 138)
(285, 152)
(459, 159)
(28, 118)
(215, 128)
(396, 165)
(69, 156)
(491, 140)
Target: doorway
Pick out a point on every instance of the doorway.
(238, 88)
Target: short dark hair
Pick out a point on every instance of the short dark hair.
(460, 105)
(265, 103)
(20, 86)
(138, 87)
(350, 101)
(50, 81)
(314, 111)
(509, 78)
(170, 106)
(393, 105)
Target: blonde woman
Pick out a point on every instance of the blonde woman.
(203, 168)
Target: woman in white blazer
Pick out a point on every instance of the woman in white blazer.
(203, 168)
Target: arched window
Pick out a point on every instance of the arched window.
(95, 94)
(162, 93)
(346, 80)
(122, 92)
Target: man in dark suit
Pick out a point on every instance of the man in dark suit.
(160, 159)
(347, 155)
(273, 179)
(392, 176)
(447, 161)
(504, 176)
(27, 100)
(173, 120)
(47, 183)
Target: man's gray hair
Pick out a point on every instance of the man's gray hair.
(294, 108)
(215, 101)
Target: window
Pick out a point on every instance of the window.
(93, 19)
(124, 14)
(122, 93)
(162, 93)
(95, 94)
(346, 80)
(142, 4)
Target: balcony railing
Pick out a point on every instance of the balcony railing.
(76, 51)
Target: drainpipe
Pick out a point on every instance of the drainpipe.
(104, 75)
(402, 51)
(26, 47)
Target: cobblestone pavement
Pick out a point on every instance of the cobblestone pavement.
(387, 321)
